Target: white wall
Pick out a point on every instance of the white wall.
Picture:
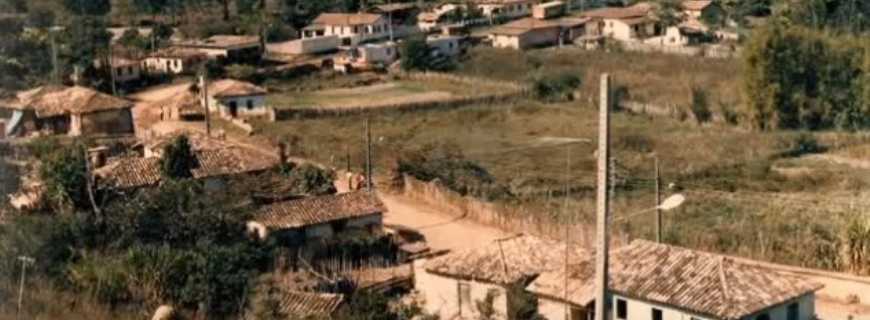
(364, 32)
(165, 65)
(242, 110)
(441, 294)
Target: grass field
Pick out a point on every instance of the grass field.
(386, 92)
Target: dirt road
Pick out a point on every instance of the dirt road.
(145, 113)
(442, 231)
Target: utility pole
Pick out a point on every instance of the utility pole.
(203, 89)
(25, 261)
(390, 19)
(111, 65)
(55, 73)
(368, 156)
(602, 245)
(658, 202)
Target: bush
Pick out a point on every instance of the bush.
(446, 164)
(241, 72)
(556, 88)
(309, 179)
(64, 173)
(178, 159)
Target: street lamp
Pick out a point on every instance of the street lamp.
(669, 204)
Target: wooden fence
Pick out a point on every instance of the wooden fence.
(508, 91)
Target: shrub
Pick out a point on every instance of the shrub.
(241, 72)
(555, 88)
(64, 173)
(178, 159)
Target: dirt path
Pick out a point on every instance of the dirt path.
(442, 230)
(145, 113)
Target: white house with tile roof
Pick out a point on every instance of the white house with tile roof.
(319, 217)
(651, 281)
(234, 98)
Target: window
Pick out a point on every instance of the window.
(793, 312)
(763, 316)
(621, 309)
(250, 104)
(464, 295)
(578, 314)
(656, 314)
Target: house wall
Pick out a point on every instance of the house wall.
(127, 73)
(509, 11)
(441, 294)
(539, 37)
(363, 32)
(366, 222)
(119, 121)
(258, 104)
(506, 41)
(642, 310)
(166, 65)
(446, 46)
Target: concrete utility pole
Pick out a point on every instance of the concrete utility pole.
(203, 89)
(602, 245)
(368, 156)
(658, 202)
(25, 261)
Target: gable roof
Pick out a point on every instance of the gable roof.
(695, 281)
(317, 210)
(303, 304)
(640, 9)
(522, 26)
(49, 101)
(227, 88)
(135, 172)
(506, 261)
(346, 19)
(696, 5)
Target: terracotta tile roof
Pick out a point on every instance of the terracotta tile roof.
(506, 261)
(186, 102)
(226, 88)
(501, 1)
(198, 141)
(135, 172)
(316, 210)
(346, 19)
(52, 101)
(641, 9)
(303, 304)
(524, 25)
(696, 5)
(700, 282)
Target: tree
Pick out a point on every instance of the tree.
(415, 54)
(88, 7)
(131, 39)
(669, 12)
(64, 173)
(241, 71)
(85, 40)
(178, 159)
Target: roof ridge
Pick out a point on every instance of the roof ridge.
(723, 281)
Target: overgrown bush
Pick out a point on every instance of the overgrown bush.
(554, 88)
(178, 159)
(446, 164)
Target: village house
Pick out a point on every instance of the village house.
(401, 17)
(234, 98)
(319, 217)
(125, 70)
(442, 45)
(174, 61)
(630, 24)
(351, 28)
(183, 106)
(438, 16)
(532, 32)
(548, 10)
(662, 282)
(216, 161)
(452, 284)
(227, 48)
(504, 9)
(73, 111)
(370, 56)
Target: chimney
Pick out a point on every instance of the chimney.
(97, 156)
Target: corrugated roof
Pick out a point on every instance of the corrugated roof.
(317, 210)
(700, 282)
(346, 19)
(506, 261)
(304, 304)
(226, 88)
(49, 101)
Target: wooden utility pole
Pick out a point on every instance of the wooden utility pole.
(25, 261)
(602, 245)
(203, 89)
(658, 202)
(368, 156)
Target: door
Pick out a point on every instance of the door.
(234, 109)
